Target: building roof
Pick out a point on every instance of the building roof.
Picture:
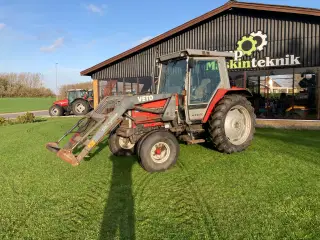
(229, 5)
(195, 53)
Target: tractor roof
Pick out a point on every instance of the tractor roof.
(72, 90)
(195, 53)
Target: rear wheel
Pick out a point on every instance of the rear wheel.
(232, 124)
(80, 107)
(160, 151)
(56, 110)
(120, 146)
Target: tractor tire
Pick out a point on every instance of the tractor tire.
(120, 146)
(232, 124)
(80, 107)
(140, 141)
(56, 110)
(160, 151)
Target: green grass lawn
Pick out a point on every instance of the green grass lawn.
(270, 191)
(11, 105)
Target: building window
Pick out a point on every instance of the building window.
(285, 93)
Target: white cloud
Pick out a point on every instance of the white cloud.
(96, 9)
(57, 43)
(2, 26)
(145, 39)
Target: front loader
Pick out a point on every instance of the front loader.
(193, 103)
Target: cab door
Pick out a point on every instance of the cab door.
(206, 76)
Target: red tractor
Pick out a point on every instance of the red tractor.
(78, 102)
(193, 103)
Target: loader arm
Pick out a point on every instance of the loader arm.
(98, 123)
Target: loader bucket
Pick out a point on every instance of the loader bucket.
(64, 154)
(53, 147)
(67, 156)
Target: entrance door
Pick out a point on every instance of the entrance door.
(205, 79)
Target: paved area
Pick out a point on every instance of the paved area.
(41, 113)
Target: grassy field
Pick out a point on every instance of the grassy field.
(10, 105)
(270, 191)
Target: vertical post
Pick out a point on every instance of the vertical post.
(117, 87)
(123, 86)
(259, 82)
(244, 79)
(138, 86)
(318, 93)
(293, 89)
(95, 87)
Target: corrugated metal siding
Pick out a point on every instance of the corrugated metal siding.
(286, 35)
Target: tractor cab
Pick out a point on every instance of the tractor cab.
(196, 76)
(74, 94)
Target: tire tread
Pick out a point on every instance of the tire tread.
(216, 124)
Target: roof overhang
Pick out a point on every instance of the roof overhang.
(225, 7)
(195, 53)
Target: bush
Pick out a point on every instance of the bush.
(2, 121)
(27, 118)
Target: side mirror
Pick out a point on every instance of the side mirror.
(191, 63)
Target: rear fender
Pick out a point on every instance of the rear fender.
(220, 94)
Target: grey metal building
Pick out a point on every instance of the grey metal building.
(277, 49)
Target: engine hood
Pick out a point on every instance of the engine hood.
(63, 102)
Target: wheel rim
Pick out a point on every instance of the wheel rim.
(54, 111)
(238, 125)
(125, 143)
(80, 108)
(160, 152)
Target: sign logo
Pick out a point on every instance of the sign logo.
(255, 42)
(145, 98)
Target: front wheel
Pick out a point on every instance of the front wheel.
(160, 151)
(232, 124)
(120, 146)
(56, 110)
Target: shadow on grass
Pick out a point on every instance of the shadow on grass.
(118, 214)
(119, 209)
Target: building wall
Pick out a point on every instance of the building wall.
(296, 35)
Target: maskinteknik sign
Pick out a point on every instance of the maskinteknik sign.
(256, 41)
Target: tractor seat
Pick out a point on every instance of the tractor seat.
(200, 92)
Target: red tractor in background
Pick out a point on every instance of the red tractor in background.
(78, 102)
